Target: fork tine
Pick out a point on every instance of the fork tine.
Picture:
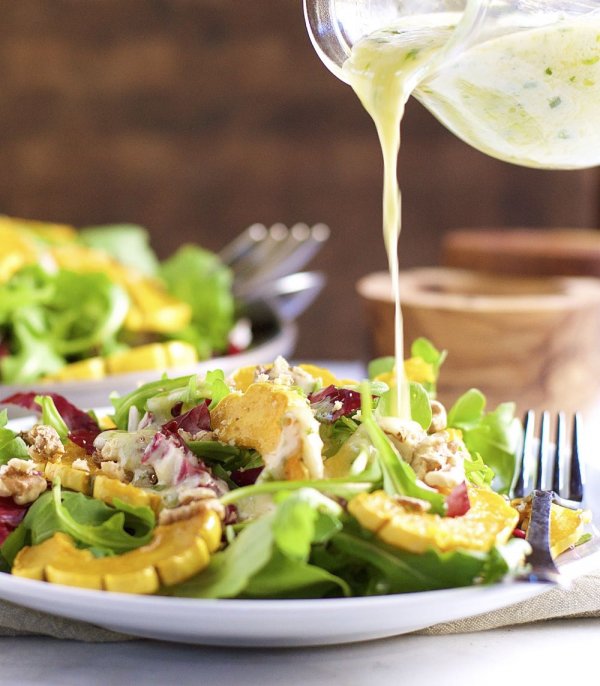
(541, 567)
(242, 244)
(576, 477)
(559, 456)
(528, 428)
(540, 471)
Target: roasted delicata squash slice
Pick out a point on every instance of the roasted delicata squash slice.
(324, 376)
(107, 489)
(490, 521)
(93, 368)
(415, 369)
(277, 422)
(74, 467)
(77, 471)
(566, 527)
(244, 377)
(70, 477)
(139, 358)
(176, 552)
(17, 249)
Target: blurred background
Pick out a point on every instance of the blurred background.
(196, 118)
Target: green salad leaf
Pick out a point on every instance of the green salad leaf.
(335, 434)
(200, 279)
(160, 396)
(399, 477)
(90, 522)
(420, 405)
(381, 365)
(140, 397)
(270, 557)
(88, 310)
(477, 472)
(129, 244)
(51, 416)
(11, 444)
(421, 348)
(370, 567)
(425, 350)
(51, 319)
(494, 436)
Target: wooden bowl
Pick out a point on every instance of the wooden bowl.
(535, 341)
(524, 251)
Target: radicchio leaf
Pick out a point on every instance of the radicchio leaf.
(197, 419)
(83, 429)
(73, 417)
(84, 439)
(246, 477)
(11, 515)
(331, 403)
(457, 502)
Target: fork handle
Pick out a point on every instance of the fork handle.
(538, 536)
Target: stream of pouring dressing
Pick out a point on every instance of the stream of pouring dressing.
(529, 96)
(383, 69)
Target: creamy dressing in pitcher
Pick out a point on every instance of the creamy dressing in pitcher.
(531, 97)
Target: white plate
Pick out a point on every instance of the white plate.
(96, 393)
(278, 623)
(273, 623)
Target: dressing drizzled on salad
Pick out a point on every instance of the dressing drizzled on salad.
(278, 481)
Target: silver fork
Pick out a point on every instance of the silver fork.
(260, 255)
(550, 473)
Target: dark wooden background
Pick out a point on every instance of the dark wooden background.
(197, 118)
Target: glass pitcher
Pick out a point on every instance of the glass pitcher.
(517, 79)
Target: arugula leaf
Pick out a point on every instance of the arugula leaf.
(285, 578)
(90, 522)
(420, 406)
(494, 436)
(343, 487)
(399, 477)
(160, 396)
(141, 395)
(214, 387)
(425, 349)
(200, 279)
(88, 310)
(335, 435)
(11, 444)
(467, 412)
(381, 365)
(32, 352)
(51, 416)
(50, 319)
(477, 472)
(372, 568)
(270, 557)
(229, 457)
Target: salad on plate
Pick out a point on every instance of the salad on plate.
(89, 304)
(278, 481)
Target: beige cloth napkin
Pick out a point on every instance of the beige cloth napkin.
(582, 599)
